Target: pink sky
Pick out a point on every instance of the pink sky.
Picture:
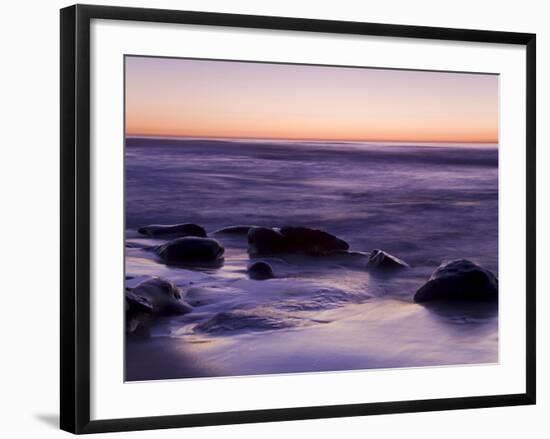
(203, 98)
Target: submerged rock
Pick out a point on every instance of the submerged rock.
(266, 241)
(163, 297)
(248, 320)
(191, 250)
(460, 280)
(158, 230)
(148, 299)
(321, 299)
(379, 259)
(260, 271)
(234, 230)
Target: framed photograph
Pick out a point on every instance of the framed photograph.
(268, 218)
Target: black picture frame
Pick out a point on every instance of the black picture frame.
(75, 217)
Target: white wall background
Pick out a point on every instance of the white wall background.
(29, 169)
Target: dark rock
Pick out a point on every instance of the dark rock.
(162, 296)
(459, 280)
(138, 313)
(379, 259)
(149, 298)
(260, 270)
(158, 230)
(265, 241)
(137, 305)
(312, 241)
(191, 251)
(234, 230)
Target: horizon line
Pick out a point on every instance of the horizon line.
(174, 136)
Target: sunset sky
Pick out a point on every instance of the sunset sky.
(201, 98)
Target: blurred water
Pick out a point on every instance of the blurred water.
(423, 203)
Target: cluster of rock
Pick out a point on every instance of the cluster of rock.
(189, 244)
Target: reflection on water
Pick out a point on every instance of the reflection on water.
(423, 204)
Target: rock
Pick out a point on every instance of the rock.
(266, 241)
(460, 280)
(381, 260)
(260, 270)
(174, 230)
(191, 251)
(163, 297)
(151, 286)
(150, 297)
(234, 230)
(137, 305)
(138, 313)
(312, 241)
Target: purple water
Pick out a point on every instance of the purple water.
(423, 203)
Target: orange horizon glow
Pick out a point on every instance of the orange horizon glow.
(305, 139)
(172, 97)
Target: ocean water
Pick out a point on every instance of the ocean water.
(423, 203)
